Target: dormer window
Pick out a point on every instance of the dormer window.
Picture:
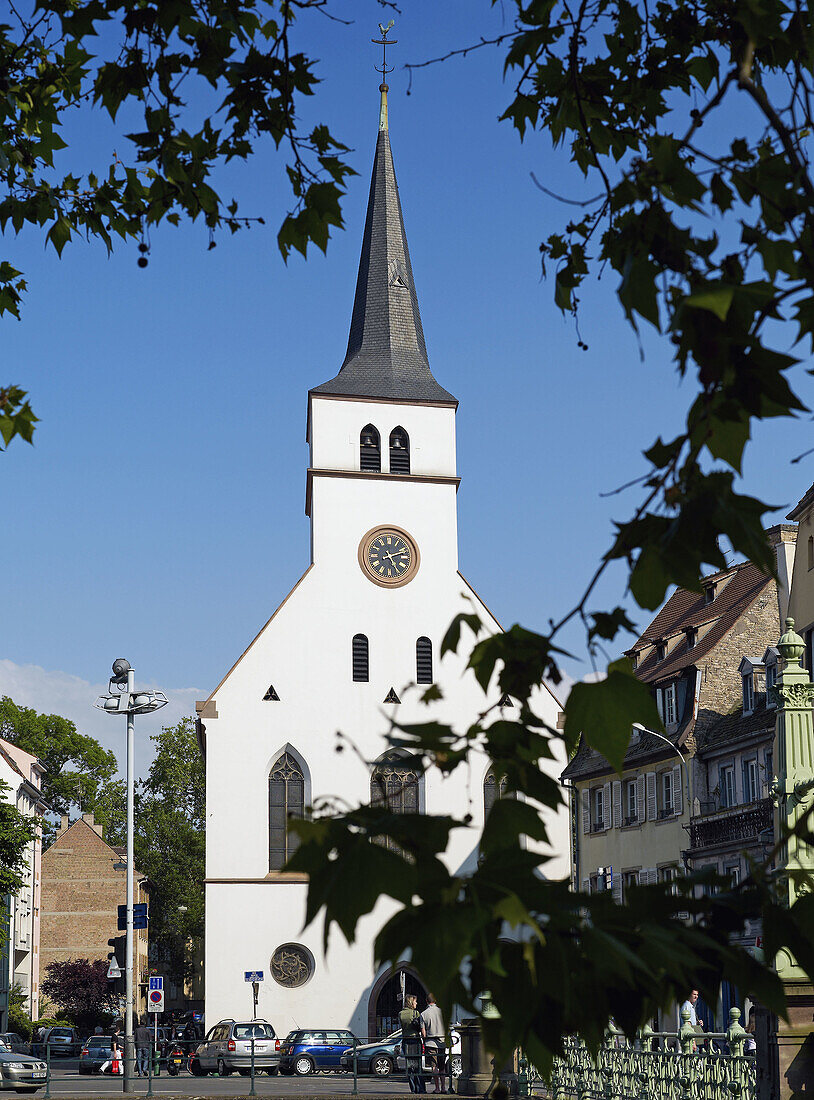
(661, 650)
(691, 634)
(634, 657)
(709, 592)
(771, 680)
(399, 451)
(370, 451)
(747, 680)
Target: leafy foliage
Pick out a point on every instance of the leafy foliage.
(154, 61)
(78, 770)
(18, 1019)
(170, 842)
(16, 834)
(691, 125)
(81, 990)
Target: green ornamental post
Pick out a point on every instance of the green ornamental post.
(793, 695)
(687, 1033)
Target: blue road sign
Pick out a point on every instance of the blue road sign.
(156, 981)
(139, 917)
(252, 975)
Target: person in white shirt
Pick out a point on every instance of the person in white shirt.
(434, 1044)
(690, 1004)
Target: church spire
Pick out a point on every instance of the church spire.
(386, 356)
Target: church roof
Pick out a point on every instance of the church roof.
(386, 356)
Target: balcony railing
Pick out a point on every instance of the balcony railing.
(739, 824)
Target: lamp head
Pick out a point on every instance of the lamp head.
(121, 666)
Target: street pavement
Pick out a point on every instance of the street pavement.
(66, 1081)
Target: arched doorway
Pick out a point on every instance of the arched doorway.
(385, 1000)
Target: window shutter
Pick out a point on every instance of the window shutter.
(652, 876)
(616, 887)
(606, 805)
(586, 811)
(678, 801)
(652, 813)
(617, 803)
(643, 876)
(423, 661)
(660, 703)
(640, 804)
(586, 886)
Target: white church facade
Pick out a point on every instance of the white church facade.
(349, 647)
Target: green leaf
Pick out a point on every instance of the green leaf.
(604, 713)
(716, 299)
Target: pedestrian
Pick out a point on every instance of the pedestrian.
(98, 1030)
(412, 1031)
(690, 1004)
(116, 1050)
(750, 1044)
(142, 1048)
(434, 1042)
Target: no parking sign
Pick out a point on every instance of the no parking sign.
(155, 996)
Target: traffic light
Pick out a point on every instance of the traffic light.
(116, 961)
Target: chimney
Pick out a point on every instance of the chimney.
(783, 540)
(97, 828)
(64, 822)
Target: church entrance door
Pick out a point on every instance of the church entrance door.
(386, 1001)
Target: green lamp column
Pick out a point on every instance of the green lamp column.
(794, 792)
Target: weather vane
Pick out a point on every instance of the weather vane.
(384, 42)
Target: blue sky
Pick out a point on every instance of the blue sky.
(160, 514)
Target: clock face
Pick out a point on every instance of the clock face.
(388, 556)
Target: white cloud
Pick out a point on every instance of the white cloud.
(53, 692)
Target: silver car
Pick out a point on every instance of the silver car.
(228, 1047)
(21, 1072)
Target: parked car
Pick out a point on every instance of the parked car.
(453, 1063)
(377, 1058)
(62, 1040)
(94, 1053)
(21, 1072)
(15, 1042)
(305, 1051)
(228, 1047)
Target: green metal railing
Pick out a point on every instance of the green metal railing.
(683, 1065)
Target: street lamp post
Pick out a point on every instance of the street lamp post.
(122, 698)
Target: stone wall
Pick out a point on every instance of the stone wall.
(81, 892)
(756, 629)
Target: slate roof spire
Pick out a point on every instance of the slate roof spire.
(386, 356)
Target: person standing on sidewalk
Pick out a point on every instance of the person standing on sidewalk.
(434, 1042)
(412, 1030)
(143, 1038)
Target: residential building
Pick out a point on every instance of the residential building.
(356, 642)
(801, 605)
(83, 885)
(19, 956)
(633, 827)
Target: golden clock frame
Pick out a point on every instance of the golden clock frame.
(365, 544)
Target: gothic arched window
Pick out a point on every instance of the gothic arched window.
(370, 450)
(286, 800)
(399, 451)
(394, 785)
(493, 789)
(359, 653)
(423, 661)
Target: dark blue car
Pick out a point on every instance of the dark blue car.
(379, 1058)
(309, 1051)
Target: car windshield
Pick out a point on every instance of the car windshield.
(98, 1041)
(258, 1031)
(60, 1033)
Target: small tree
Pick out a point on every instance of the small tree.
(81, 989)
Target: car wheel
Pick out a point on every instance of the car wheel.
(196, 1069)
(455, 1066)
(303, 1066)
(382, 1065)
(222, 1070)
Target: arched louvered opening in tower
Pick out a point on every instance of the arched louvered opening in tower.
(423, 661)
(399, 451)
(370, 449)
(360, 659)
